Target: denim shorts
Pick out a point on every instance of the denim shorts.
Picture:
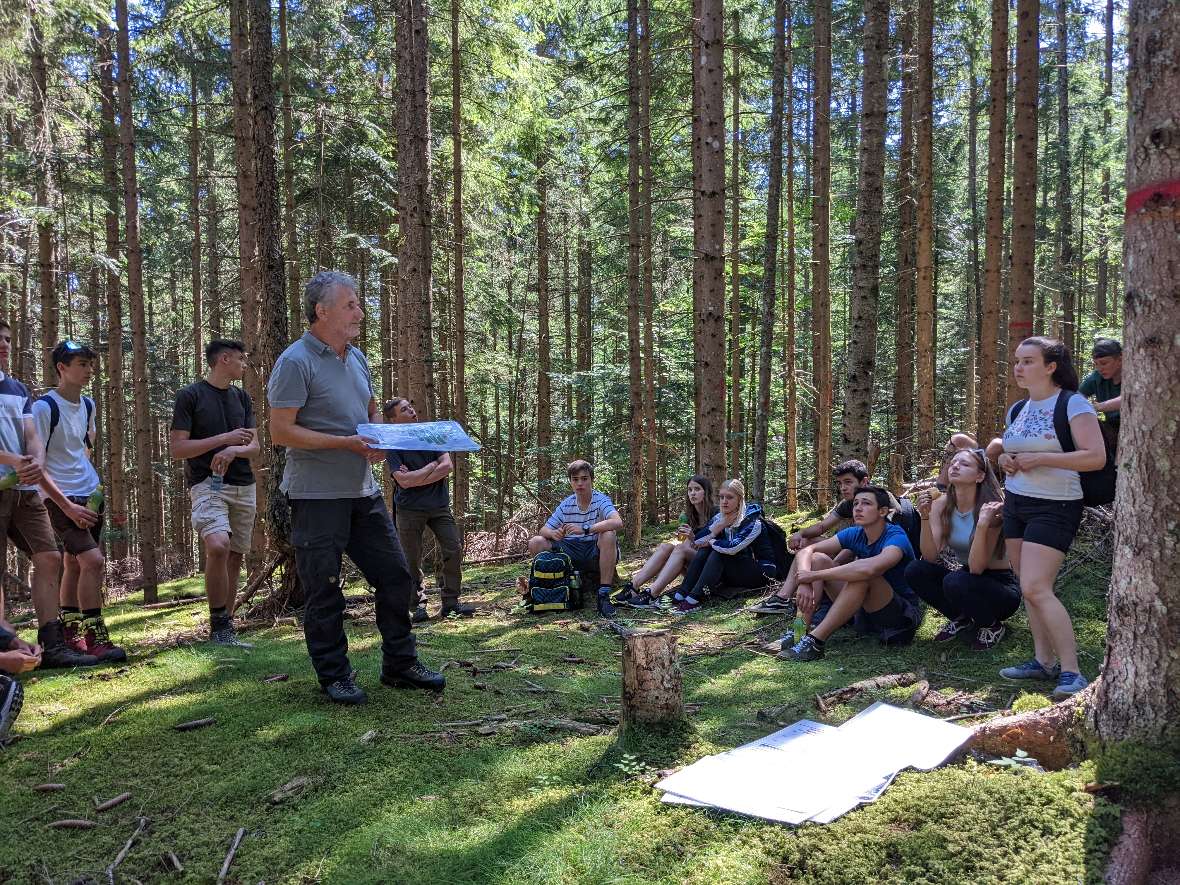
(1041, 521)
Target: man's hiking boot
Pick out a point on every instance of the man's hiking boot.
(774, 605)
(989, 636)
(952, 628)
(56, 653)
(222, 632)
(418, 675)
(97, 641)
(1068, 684)
(345, 690)
(1032, 669)
(456, 608)
(605, 607)
(806, 649)
(12, 695)
(419, 615)
(71, 623)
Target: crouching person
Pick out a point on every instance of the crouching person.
(16, 656)
(873, 584)
(584, 528)
(319, 391)
(735, 553)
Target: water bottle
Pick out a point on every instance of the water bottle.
(799, 628)
(94, 502)
(9, 479)
(216, 481)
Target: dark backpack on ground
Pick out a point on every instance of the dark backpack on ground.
(778, 540)
(908, 519)
(554, 585)
(55, 417)
(1097, 485)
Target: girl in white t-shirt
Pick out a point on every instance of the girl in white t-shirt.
(1043, 502)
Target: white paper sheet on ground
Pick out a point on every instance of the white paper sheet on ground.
(811, 771)
(906, 739)
(419, 436)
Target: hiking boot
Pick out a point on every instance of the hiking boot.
(222, 632)
(71, 623)
(806, 649)
(774, 605)
(419, 615)
(56, 653)
(1032, 669)
(345, 690)
(605, 607)
(990, 636)
(12, 695)
(1068, 684)
(952, 628)
(456, 608)
(417, 675)
(97, 642)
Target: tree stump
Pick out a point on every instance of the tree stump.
(652, 690)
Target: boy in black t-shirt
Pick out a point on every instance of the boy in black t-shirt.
(213, 431)
(422, 501)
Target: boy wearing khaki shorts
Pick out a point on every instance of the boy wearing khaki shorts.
(213, 431)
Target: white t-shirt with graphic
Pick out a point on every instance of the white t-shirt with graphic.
(67, 459)
(1033, 431)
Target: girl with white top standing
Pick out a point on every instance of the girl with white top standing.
(1043, 501)
(985, 592)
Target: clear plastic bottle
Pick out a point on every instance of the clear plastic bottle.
(216, 481)
(8, 478)
(799, 628)
(94, 502)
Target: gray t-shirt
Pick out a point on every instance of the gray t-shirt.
(332, 396)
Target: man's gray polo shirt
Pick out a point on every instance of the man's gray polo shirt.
(332, 396)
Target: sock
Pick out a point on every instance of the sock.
(604, 589)
(70, 610)
(219, 613)
(819, 642)
(690, 600)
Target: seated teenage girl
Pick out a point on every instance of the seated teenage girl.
(984, 593)
(668, 561)
(735, 552)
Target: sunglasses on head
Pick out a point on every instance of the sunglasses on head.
(72, 345)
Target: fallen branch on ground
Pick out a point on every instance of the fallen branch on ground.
(257, 581)
(175, 603)
(229, 858)
(122, 855)
(840, 695)
(195, 724)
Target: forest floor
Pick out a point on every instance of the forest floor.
(487, 783)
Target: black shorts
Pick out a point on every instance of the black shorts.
(895, 623)
(1041, 521)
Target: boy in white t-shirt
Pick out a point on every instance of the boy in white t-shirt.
(65, 420)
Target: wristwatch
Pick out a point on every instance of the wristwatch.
(586, 527)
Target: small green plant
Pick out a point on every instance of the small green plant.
(1020, 759)
(632, 766)
(546, 780)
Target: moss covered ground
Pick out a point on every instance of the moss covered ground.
(426, 801)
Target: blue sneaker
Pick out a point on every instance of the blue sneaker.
(1068, 684)
(1032, 669)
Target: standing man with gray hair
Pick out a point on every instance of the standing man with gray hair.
(319, 391)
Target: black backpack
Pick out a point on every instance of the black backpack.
(778, 540)
(554, 585)
(906, 517)
(55, 417)
(1097, 485)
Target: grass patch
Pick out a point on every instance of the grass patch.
(524, 805)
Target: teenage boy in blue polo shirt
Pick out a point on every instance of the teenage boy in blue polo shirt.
(873, 582)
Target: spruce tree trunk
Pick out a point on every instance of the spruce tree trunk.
(635, 446)
(1139, 695)
(1102, 285)
(148, 512)
(243, 120)
(459, 297)
(212, 214)
(989, 344)
(737, 445)
(770, 247)
(973, 289)
(194, 211)
(709, 238)
(1024, 182)
(792, 394)
(116, 488)
(821, 305)
(585, 354)
(43, 150)
(866, 226)
(1064, 209)
(903, 382)
(650, 428)
(414, 204)
(924, 295)
(292, 241)
(544, 342)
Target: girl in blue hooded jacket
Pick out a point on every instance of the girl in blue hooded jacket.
(735, 553)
